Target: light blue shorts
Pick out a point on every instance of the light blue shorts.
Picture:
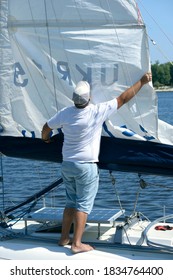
(81, 181)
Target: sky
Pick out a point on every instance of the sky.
(158, 17)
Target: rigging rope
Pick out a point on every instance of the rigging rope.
(171, 42)
(161, 29)
(142, 185)
(118, 197)
(35, 196)
(161, 51)
(113, 183)
(50, 53)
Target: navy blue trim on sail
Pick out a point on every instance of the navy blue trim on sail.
(115, 154)
(136, 156)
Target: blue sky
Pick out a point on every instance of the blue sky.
(158, 16)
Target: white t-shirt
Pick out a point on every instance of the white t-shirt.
(82, 130)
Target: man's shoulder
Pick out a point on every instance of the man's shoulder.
(67, 109)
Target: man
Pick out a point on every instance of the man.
(82, 126)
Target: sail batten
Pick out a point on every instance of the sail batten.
(71, 24)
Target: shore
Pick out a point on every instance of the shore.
(164, 89)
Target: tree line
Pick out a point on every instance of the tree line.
(162, 74)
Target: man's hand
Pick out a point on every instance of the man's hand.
(46, 133)
(146, 78)
(133, 90)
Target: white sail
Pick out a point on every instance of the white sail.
(55, 44)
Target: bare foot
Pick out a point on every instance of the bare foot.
(81, 248)
(64, 242)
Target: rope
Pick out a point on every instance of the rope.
(171, 42)
(161, 29)
(18, 211)
(142, 185)
(116, 192)
(160, 50)
(35, 196)
(50, 53)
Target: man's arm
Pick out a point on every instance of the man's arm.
(133, 90)
(45, 134)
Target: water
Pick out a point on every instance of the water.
(22, 177)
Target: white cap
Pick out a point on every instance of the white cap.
(81, 94)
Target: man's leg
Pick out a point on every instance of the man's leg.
(86, 188)
(68, 217)
(80, 219)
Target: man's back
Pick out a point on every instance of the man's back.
(82, 130)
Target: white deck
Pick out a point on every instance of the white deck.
(38, 245)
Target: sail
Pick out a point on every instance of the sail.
(47, 46)
(57, 43)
